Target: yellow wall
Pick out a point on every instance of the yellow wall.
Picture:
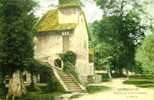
(48, 45)
(68, 15)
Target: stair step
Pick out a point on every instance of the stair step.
(67, 78)
(74, 88)
(70, 82)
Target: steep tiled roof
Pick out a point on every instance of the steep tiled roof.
(49, 22)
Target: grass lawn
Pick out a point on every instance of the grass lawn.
(41, 94)
(94, 89)
(144, 83)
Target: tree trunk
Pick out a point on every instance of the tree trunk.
(32, 86)
(109, 73)
(16, 86)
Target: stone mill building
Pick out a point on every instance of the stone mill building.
(64, 29)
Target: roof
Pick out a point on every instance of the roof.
(49, 22)
(69, 3)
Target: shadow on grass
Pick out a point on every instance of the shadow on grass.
(41, 94)
(94, 89)
(144, 83)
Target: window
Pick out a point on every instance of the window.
(65, 43)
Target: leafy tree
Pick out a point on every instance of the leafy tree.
(121, 28)
(17, 25)
(145, 54)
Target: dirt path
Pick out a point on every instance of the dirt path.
(120, 91)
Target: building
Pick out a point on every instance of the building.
(64, 29)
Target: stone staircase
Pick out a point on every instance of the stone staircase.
(69, 83)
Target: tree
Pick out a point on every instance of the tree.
(121, 27)
(145, 54)
(17, 25)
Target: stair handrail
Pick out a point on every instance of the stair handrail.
(59, 78)
(77, 82)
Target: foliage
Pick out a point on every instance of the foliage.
(145, 54)
(69, 60)
(17, 23)
(17, 33)
(105, 77)
(122, 7)
(69, 56)
(95, 89)
(118, 33)
(142, 76)
(52, 83)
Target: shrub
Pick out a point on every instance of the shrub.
(69, 60)
(52, 83)
(69, 56)
(47, 74)
(105, 77)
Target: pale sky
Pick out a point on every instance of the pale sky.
(92, 12)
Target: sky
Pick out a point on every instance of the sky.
(92, 11)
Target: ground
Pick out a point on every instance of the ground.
(120, 91)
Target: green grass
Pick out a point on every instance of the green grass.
(74, 96)
(144, 83)
(94, 89)
(41, 94)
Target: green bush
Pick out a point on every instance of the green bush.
(52, 83)
(105, 77)
(69, 56)
(69, 60)
(33, 88)
(48, 76)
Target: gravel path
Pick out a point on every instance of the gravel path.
(120, 91)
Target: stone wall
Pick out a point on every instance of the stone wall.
(48, 45)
